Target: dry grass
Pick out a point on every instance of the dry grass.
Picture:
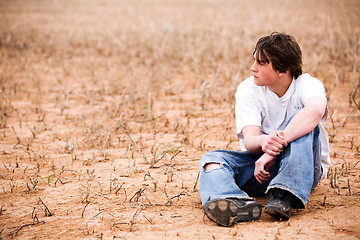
(107, 106)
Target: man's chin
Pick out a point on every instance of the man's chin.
(257, 83)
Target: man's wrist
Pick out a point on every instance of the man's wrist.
(260, 141)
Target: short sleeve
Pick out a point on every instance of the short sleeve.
(246, 110)
(311, 87)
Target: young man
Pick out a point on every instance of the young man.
(286, 151)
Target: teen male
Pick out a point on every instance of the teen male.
(286, 153)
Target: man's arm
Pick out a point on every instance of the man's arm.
(301, 124)
(256, 143)
(306, 119)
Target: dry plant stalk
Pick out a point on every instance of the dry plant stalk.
(18, 113)
(27, 225)
(116, 122)
(46, 211)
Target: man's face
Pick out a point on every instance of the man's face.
(264, 74)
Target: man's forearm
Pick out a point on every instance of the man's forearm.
(303, 123)
(256, 143)
(262, 165)
(253, 144)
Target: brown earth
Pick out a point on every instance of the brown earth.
(107, 107)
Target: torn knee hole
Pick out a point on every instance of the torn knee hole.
(211, 166)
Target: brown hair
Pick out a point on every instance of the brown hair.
(282, 50)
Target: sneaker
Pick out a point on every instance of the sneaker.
(278, 204)
(227, 212)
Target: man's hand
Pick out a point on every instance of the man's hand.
(273, 143)
(257, 143)
(262, 165)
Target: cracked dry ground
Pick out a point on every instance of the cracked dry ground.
(106, 108)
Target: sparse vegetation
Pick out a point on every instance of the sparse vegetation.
(106, 108)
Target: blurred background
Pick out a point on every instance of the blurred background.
(139, 91)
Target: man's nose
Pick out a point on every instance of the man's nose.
(253, 67)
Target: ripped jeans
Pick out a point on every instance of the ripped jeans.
(297, 169)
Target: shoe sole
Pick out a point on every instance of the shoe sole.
(277, 212)
(226, 213)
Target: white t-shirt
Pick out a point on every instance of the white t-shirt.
(259, 106)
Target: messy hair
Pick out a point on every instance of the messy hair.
(282, 50)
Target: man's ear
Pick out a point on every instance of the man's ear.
(281, 74)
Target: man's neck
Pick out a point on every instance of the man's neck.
(282, 85)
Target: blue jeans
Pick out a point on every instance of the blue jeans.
(297, 169)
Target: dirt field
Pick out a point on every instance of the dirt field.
(106, 108)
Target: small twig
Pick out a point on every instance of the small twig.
(33, 214)
(87, 203)
(183, 193)
(27, 225)
(19, 114)
(111, 183)
(17, 137)
(97, 214)
(149, 175)
(141, 206)
(47, 211)
(108, 213)
(137, 195)
(175, 155)
(356, 163)
(119, 188)
(59, 180)
(6, 167)
(2, 210)
(152, 179)
(99, 194)
(148, 220)
(196, 181)
(335, 182)
(133, 219)
(335, 178)
(332, 121)
(324, 202)
(342, 124)
(169, 200)
(125, 194)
